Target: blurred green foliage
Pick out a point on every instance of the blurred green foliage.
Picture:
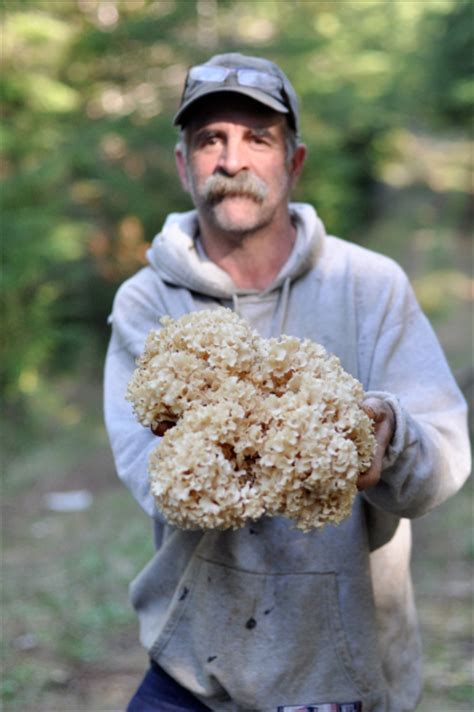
(89, 89)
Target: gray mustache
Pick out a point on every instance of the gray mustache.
(219, 186)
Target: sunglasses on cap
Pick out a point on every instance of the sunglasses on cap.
(243, 76)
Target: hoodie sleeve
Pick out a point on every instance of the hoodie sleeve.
(132, 318)
(429, 456)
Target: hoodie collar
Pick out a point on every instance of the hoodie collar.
(174, 256)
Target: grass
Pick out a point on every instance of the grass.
(442, 570)
(65, 594)
(65, 575)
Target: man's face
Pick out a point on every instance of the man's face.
(236, 167)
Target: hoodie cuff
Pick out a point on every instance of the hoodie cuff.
(397, 443)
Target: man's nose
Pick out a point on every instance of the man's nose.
(232, 158)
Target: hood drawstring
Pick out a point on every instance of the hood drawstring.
(281, 310)
(235, 304)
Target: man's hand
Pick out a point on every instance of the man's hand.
(384, 422)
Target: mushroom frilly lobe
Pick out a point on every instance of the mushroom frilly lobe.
(259, 426)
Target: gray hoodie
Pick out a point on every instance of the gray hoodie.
(268, 616)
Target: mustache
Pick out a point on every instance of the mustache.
(220, 185)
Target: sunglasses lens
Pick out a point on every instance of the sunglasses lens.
(245, 77)
(202, 73)
(252, 78)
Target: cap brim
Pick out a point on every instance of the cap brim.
(251, 92)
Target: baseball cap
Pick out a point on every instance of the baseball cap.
(255, 77)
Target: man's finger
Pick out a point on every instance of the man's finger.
(384, 422)
(377, 409)
(370, 477)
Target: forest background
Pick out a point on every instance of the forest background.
(89, 89)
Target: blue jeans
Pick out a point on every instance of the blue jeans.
(158, 692)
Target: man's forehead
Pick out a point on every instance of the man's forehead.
(233, 109)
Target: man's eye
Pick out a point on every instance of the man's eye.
(259, 140)
(209, 140)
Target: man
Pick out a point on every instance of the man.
(333, 620)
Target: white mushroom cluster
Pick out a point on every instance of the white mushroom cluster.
(260, 426)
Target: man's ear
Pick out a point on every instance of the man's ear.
(297, 162)
(182, 167)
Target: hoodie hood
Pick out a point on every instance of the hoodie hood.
(178, 261)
